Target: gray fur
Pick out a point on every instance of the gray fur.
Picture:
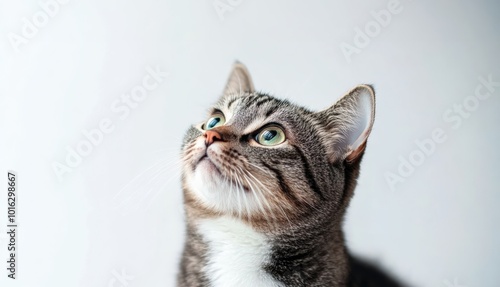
(312, 177)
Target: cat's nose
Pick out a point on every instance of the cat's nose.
(212, 136)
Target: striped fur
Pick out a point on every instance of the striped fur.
(272, 216)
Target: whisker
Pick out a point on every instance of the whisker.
(237, 194)
(240, 182)
(160, 170)
(271, 194)
(177, 175)
(258, 193)
(135, 178)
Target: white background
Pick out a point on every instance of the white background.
(120, 209)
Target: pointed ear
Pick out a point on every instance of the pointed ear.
(348, 123)
(239, 81)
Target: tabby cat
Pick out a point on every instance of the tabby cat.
(266, 184)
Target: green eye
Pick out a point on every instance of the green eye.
(269, 136)
(217, 120)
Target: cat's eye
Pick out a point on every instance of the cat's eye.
(216, 120)
(269, 136)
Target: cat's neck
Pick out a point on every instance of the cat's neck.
(318, 254)
(235, 254)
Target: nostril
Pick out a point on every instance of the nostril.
(212, 136)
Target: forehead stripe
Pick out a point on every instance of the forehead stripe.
(232, 102)
(251, 100)
(271, 110)
(264, 100)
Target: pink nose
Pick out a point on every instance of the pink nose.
(212, 136)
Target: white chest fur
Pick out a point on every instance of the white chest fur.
(236, 254)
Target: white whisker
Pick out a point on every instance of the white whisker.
(271, 194)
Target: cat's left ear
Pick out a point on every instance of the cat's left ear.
(239, 81)
(348, 123)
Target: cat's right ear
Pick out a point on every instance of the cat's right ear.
(348, 123)
(239, 81)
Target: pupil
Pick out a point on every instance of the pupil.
(213, 122)
(269, 135)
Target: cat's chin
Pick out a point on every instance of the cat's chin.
(216, 192)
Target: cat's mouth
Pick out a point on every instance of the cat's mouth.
(207, 163)
(203, 157)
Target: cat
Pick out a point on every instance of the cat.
(266, 184)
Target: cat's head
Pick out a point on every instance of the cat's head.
(267, 160)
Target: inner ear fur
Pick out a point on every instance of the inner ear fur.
(239, 81)
(348, 123)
